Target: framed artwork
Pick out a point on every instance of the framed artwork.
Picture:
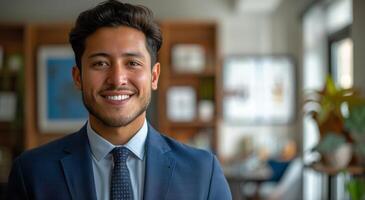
(60, 107)
(181, 103)
(259, 89)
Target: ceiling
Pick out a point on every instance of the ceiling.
(67, 10)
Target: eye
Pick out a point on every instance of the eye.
(100, 64)
(134, 63)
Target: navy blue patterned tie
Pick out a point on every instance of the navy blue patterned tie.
(121, 187)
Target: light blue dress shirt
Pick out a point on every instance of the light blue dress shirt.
(102, 161)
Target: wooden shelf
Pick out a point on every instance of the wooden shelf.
(10, 73)
(195, 124)
(25, 40)
(12, 41)
(203, 74)
(8, 126)
(353, 170)
(197, 33)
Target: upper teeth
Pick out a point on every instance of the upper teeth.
(118, 97)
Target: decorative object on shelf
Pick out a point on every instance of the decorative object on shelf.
(206, 99)
(202, 140)
(15, 61)
(8, 102)
(12, 91)
(181, 103)
(60, 105)
(259, 89)
(188, 58)
(1, 57)
(206, 110)
(335, 151)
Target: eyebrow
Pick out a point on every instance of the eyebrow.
(98, 54)
(127, 54)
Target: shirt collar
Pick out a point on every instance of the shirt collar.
(100, 147)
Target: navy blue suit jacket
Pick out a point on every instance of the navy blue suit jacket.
(62, 170)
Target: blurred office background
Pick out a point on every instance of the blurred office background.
(235, 78)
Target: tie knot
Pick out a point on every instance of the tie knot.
(120, 154)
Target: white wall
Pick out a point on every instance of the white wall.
(245, 34)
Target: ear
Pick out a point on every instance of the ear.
(155, 75)
(76, 76)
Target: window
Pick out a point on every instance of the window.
(341, 60)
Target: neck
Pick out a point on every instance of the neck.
(117, 135)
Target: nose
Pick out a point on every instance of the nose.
(117, 75)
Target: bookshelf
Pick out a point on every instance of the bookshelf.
(199, 74)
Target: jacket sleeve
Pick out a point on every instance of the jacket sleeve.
(16, 188)
(219, 189)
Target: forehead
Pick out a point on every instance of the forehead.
(116, 39)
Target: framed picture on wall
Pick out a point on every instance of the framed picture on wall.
(60, 107)
(259, 89)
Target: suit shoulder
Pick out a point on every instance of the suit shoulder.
(185, 151)
(50, 149)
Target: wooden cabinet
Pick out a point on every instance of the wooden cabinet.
(12, 50)
(178, 39)
(12, 44)
(24, 40)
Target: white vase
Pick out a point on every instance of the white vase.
(206, 110)
(339, 158)
(359, 149)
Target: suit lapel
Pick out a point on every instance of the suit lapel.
(77, 167)
(159, 166)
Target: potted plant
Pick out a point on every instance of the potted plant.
(355, 124)
(336, 152)
(326, 107)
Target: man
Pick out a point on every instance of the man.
(117, 154)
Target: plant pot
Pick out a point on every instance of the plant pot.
(357, 137)
(339, 158)
(359, 153)
(359, 147)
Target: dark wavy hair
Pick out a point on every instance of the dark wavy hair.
(113, 13)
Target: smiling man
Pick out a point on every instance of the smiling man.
(117, 154)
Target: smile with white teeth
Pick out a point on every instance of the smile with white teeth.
(118, 97)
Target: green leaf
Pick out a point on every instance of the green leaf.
(356, 188)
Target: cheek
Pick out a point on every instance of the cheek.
(143, 79)
(91, 81)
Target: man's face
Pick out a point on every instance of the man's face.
(116, 78)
